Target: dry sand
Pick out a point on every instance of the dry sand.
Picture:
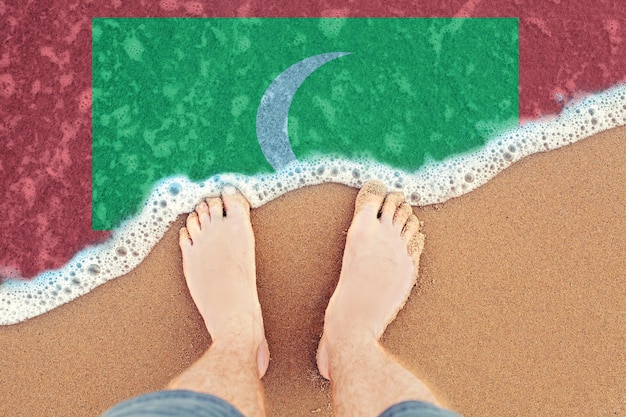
(520, 309)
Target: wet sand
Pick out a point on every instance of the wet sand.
(520, 308)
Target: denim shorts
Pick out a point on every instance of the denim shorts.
(182, 403)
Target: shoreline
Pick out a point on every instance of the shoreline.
(433, 183)
(517, 310)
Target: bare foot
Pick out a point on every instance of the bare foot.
(219, 266)
(379, 269)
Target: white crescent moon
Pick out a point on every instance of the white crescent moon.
(273, 111)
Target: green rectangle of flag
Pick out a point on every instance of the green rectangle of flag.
(193, 96)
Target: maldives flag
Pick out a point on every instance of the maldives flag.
(206, 96)
(566, 48)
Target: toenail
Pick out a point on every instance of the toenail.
(229, 190)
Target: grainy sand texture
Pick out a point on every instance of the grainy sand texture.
(520, 307)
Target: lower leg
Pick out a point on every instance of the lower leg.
(366, 380)
(228, 370)
(379, 269)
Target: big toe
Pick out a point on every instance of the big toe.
(235, 203)
(370, 197)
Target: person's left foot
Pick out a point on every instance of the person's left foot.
(218, 261)
(379, 269)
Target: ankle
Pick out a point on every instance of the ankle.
(238, 331)
(349, 340)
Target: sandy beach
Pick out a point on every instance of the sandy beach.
(520, 307)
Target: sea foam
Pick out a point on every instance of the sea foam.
(435, 182)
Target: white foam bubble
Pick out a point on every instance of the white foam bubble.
(435, 182)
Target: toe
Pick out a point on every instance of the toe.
(202, 209)
(234, 202)
(193, 225)
(216, 208)
(411, 228)
(414, 240)
(416, 245)
(184, 240)
(390, 206)
(370, 198)
(401, 216)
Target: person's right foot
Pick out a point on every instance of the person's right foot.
(218, 261)
(379, 269)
